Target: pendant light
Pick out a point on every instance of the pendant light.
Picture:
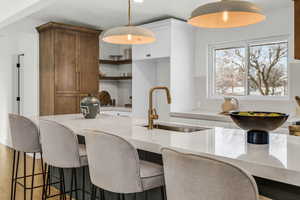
(128, 34)
(226, 14)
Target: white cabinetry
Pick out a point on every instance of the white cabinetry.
(160, 48)
(170, 63)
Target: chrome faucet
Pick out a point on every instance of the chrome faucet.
(152, 114)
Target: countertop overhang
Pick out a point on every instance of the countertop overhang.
(278, 161)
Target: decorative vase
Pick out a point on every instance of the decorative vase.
(230, 104)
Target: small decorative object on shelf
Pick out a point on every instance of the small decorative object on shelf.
(128, 54)
(115, 57)
(90, 107)
(105, 98)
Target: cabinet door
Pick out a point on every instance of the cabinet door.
(88, 62)
(141, 52)
(66, 104)
(65, 61)
(161, 47)
(297, 29)
(158, 49)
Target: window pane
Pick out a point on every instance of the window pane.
(268, 71)
(230, 68)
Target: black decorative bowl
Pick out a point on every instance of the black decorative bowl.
(258, 124)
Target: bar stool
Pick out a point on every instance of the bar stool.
(25, 139)
(194, 177)
(61, 150)
(115, 166)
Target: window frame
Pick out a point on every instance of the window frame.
(211, 71)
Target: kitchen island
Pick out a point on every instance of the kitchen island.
(277, 162)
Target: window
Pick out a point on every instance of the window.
(250, 69)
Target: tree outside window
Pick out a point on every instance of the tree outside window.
(252, 70)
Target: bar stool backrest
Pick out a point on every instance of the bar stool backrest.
(193, 177)
(59, 145)
(113, 163)
(24, 134)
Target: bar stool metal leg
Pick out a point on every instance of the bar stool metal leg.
(16, 175)
(63, 184)
(32, 178)
(93, 192)
(83, 183)
(76, 185)
(61, 179)
(47, 189)
(13, 177)
(102, 194)
(24, 154)
(44, 171)
(162, 189)
(71, 190)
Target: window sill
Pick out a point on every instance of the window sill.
(251, 98)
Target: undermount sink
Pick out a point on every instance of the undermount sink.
(179, 128)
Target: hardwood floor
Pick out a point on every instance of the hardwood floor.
(6, 157)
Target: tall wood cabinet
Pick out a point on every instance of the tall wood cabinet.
(297, 29)
(69, 67)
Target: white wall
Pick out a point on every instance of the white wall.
(7, 87)
(148, 74)
(16, 40)
(279, 22)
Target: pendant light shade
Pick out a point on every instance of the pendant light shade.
(226, 14)
(128, 34)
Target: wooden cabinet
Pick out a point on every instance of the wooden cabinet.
(69, 69)
(297, 29)
(65, 61)
(158, 49)
(88, 63)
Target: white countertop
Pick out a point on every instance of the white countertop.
(279, 161)
(115, 108)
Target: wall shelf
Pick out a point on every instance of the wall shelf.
(115, 78)
(113, 62)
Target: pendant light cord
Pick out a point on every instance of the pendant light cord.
(129, 12)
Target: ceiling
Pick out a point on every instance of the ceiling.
(104, 14)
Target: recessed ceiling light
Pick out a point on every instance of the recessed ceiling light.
(138, 1)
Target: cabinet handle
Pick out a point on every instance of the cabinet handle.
(148, 55)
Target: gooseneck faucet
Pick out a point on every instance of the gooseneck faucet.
(152, 114)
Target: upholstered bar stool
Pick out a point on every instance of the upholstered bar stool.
(25, 139)
(61, 150)
(115, 166)
(193, 177)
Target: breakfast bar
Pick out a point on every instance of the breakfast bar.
(276, 162)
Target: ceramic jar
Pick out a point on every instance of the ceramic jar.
(230, 104)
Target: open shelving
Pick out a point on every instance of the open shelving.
(115, 62)
(115, 78)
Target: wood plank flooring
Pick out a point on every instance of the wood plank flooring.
(6, 157)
